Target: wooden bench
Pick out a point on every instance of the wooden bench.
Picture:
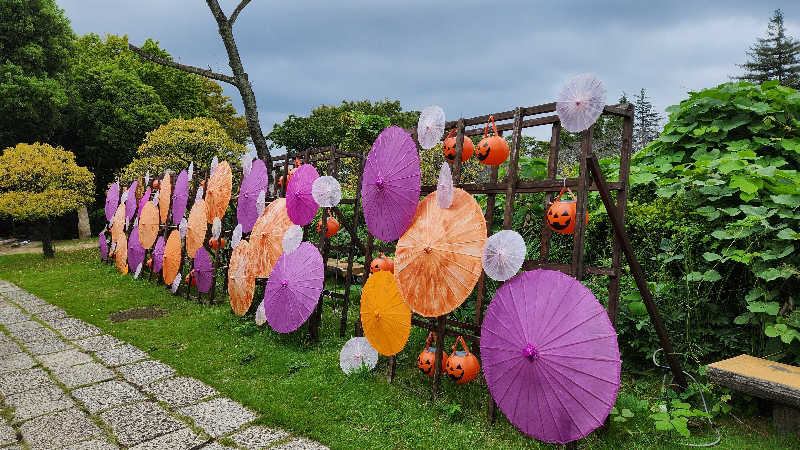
(764, 379)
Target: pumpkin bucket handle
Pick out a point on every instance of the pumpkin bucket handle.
(428, 341)
(563, 190)
(452, 132)
(486, 130)
(460, 340)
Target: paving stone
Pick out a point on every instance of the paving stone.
(97, 343)
(146, 372)
(88, 373)
(62, 360)
(17, 361)
(105, 395)
(9, 348)
(301, 444)
(183, 439)
(258, 437)
(140, 422)
(97, 444)
(34, 335)
(7, 434)
(51, 315)
(7, 318)
(23, 380)
(80, 331)
(219, 416)
(123, 354)
(180, 391)
(39, 401)
(58, 429)
(48, 346)
(213, 446)
(22, 326)
(41, 307)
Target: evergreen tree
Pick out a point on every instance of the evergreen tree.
(646, 121)
(776, 57)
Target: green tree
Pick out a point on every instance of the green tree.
(776, 57)
(646, 121)
(174, 145)
(39, 183)
(219, 107)
(35, 44)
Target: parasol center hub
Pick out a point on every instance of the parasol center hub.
(428, 250)
(379, 182)
(530, 352)
(377, 316)
(284, 283)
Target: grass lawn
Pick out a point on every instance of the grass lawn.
(297, 385)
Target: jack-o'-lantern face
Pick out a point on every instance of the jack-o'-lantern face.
(449, 148)
(492, 151)
(561, 216)
(462, 366)
(455, 371)
(426, 360)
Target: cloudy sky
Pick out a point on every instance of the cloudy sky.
(469, 57)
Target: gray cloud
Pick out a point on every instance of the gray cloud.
(469, 57)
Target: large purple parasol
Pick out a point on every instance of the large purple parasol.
(135, 250)
(203, 270)
(102, 243)
(112, 201)
(145, 198)
(253, 183)
(550, 356)
(300, 204)
(130, 203)
(180, 195)
(293, 288)
(390, 186)
(158, 254)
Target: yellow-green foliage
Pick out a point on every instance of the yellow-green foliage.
(472, 171)
(39, 181)
(174, 145)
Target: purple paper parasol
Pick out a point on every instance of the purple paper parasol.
(135, 250)
(102, 243)
(550, 356)
(253, 183)
(130, 202)
(202, 270)
(300, 203)
(145, 198)
(112, 201)
(180, 195)
(390, 186)
(293, 288)
(158, 254)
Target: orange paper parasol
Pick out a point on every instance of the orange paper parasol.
(148, 225)
(266, 239)
(172, 257)
(219, 191)
(241, 284)
(118, 223)
(196, 229)
(164, 197)
(121, 254)
(384, 315)
(438, 259)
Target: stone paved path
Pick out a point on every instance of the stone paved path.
(66, 384)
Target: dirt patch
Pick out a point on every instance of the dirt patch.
(149, 312)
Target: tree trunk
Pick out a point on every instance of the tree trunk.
(84, 231)
(47, 240)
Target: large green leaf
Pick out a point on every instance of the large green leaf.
(744, 183)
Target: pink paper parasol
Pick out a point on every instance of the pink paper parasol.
(180, 196)
(293, 288)
(550, 356)
(580, 102)
(102, 243)
(135, 250)
(203, 270)
(391, 184)
(430, 126)
(158, 254)
(112, 201)
(253, 183)
(300, 203)
(145, 198)
(130, 202)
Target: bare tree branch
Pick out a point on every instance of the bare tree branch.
(236, 11)
(208, 73)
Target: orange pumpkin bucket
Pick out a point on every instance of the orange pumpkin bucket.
(381, 263)
(462, 366)
(427, 357)
(449, 148)
(492, 150)
(332, 227)
(561, 213)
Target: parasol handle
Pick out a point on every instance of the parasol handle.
(494, 126)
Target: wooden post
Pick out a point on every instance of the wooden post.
(351, 253)
(437, 361)
(459, 149)
(636, 270)
(489, 217)
(580, 206)
(511, 177)
(392, 368)
(552, 171)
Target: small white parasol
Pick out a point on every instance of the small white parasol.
(444, 187)
(237, 236)
(327, 191)
(503, 255)
(357, 353)
(430, 127)
(580, 102)
(292, 238)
